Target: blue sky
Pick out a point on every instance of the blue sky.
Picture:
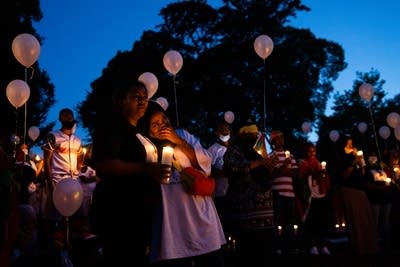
(80, 37)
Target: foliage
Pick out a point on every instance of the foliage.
(221, 70)
(17, 16)
(349, 109)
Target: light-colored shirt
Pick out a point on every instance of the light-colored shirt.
(189, 224)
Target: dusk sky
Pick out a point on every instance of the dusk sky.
(80, 37)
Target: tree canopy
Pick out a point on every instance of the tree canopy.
(16, 17)
(221, 70)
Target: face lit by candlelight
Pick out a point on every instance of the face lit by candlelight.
(158, 121)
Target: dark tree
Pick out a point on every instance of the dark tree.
(221, 70)
(16, 17)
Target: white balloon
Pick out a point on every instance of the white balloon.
(362, 127)
(393, 119)
(334, 135)
(306, 127)
(384, 132)
(229, 116)
(67, 196)
(173, 61)
(263, 45)
(18, 92)
(366, 91)
(26, 49)
(150, 81)
(163, 102)
(33, 133)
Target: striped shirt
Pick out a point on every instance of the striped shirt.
(283, 184)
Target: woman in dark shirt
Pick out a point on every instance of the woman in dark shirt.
(121, 208)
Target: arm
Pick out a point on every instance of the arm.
(47, 154)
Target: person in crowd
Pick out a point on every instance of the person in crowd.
(217, 151)
(187, 229)
(380, 189)
(249, 203)
(316, 215)
(8, 210)
(128, 176)
(22, 156)
(359, 218)
(392, 169)
(29, 176)
(284, 172)
(62, 157)
(63, 150)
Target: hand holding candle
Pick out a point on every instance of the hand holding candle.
(166, 159)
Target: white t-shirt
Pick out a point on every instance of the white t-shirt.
(190, 225)
(64, 162)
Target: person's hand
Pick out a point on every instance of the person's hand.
(158, 171)
(288, 161)
(169, 134)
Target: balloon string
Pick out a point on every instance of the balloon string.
(176, 101)
(16, 134)
(373, 127)
(33, 72)
(26, 109)
(265, 97)
(67, 234)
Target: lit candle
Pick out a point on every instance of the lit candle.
(360, 153)
(167, 153)
(287, 153)
(166, 159)
(323, 165)
(84, 150)
(37, 158)
(387, 180)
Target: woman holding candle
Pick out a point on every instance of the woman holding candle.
(316, 216)
(126, 171)
(358, 214)
(187, 229)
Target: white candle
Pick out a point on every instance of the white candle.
(37, 158)
(287, 153)
(167, 153)
(323, 165)
(360, 153)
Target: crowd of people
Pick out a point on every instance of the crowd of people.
(138, 209)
